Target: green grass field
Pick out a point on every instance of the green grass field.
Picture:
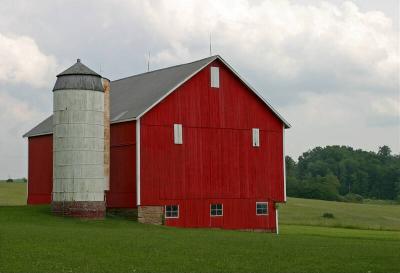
(32, 240)
(12, 194)
(348, 215)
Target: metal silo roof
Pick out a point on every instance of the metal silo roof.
(78, 77)
(78, 69)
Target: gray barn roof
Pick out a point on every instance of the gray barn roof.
(132, 97)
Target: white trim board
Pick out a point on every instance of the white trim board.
(138, 162)
(276, 220)
(284, 164)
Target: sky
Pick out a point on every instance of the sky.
(331, 68)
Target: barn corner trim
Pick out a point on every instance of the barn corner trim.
(138, 162)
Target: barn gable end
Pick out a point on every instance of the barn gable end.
(216, 161)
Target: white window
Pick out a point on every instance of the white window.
(261, 208)
(216, 210)
(256, 137)
(214, 76)
(172, 211)
(178, 134)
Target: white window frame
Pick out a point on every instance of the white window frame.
(170, 217)
(214, 74)
(178, 133)
(222, 209)
(256, 137)
(261, 203)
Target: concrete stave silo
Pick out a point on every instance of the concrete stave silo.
(79, 181)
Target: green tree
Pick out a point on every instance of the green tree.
(334, 171)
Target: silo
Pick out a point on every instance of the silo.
(78, 143)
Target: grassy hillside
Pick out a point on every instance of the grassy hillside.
(32, 240)
(350, 215)
(12, 194)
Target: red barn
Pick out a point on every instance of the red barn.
(192, 145)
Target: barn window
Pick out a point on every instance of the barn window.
(172, 211)
(178, 134)
(214, 76)
(216, 210)
(256, 137)
(261, 208)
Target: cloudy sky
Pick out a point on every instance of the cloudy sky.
(331, 68)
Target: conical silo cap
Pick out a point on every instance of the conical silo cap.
(79, 77)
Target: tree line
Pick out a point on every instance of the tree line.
(342, 173)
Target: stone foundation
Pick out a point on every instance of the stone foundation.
(151, 215)
(80, 209)
(127, 213)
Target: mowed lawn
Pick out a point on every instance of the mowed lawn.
(32, 240)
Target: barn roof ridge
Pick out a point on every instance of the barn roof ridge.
(133, 96)
(164, 68)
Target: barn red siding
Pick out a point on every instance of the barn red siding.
(40, 169)
(217, 159)
(122, 193)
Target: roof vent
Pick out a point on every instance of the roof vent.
(78, 60)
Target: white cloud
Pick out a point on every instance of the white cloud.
(23, 62)
(318, 48)
(385, 111)
(15, 117)
(24, 70)
(386, 106)
(359, 121)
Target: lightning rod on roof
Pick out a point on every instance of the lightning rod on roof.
(210, 45)
(148, 62)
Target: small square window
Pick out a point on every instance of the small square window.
(216, 210)
(172, 211)
(261, 208)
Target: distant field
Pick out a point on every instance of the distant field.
(12, 194)
(32, 240)
(349, 215)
